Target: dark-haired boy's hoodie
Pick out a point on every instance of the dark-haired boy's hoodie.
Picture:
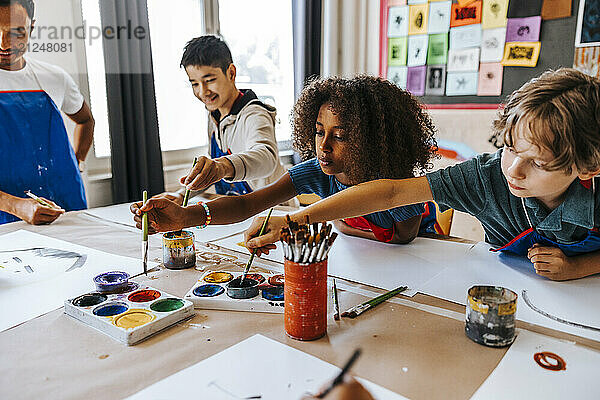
(248, 133)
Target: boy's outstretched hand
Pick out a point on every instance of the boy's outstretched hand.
(207, 171)
(163, 215)
(265, 243)
(552, 263)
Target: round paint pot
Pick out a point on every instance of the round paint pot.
(247, 290)
(134, 318)
(274, 293)
(89, 299)
(218, 277)
(209, 290)
(110, 309)
(112, 281)
(167, 305)
(178, 250)
(257, 277)
(277, 280)
(143, 296)
(490, 317)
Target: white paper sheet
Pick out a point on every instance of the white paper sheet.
(518, 376)
(381, 265)
(466, 36)
(118, 213)
(32, 285)
(575, 300)
(257, 366)
(439, 17)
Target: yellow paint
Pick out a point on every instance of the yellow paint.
(507, 309)
(218, 277)
(478, 306)
(417, 17)
(134, 318)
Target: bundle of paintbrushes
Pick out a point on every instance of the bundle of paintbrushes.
(307, 243)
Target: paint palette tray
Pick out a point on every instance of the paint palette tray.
(219, 290)
(131, 315)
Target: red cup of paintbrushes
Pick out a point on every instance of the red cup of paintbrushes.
(305, 295)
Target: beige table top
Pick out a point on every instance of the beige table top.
(418, 354)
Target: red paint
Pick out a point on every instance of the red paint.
(143, 296)
(277, 280)
(542, 360)
(305, 293)
(257, 277)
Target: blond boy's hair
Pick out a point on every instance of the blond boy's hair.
(562, 110)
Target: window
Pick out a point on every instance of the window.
(259, 34)
(182, 118)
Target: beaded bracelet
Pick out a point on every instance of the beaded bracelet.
(208, 217)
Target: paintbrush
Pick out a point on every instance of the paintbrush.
(340, 378)
(367, 305)
(262, 230)
(41, 201)
(145, 235)
(186, 196)
(336, 303)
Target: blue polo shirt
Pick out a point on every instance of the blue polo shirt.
(478, 187)
(308, 177)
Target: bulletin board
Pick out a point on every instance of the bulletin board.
(557, 37)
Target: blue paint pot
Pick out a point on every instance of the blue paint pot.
(111, 281)
(209, 290)
(110, 309)
(274, 293)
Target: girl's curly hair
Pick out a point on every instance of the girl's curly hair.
(391, 136)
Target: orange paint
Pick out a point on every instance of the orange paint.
(305, 294)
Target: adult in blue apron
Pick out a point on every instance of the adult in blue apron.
(35, 153)
(222, 186)
(524, 241)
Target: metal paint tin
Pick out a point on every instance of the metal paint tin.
(305, 294)
(490, 315)
(247, 290)
(178, 250)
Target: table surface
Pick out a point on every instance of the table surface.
(407, 349)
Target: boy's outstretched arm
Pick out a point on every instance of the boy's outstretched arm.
(357, 200)
(552, 263)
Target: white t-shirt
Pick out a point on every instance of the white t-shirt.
(53, 80)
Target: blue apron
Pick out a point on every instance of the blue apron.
(223, 187)
(523, 242)
(35, 153)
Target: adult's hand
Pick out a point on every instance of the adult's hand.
(35, 213)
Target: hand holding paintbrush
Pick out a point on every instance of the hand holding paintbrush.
(262, 231)
(145, 236)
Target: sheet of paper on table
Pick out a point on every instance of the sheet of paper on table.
(47, 272)
(575, 300)
(518, 376)
(257, 366)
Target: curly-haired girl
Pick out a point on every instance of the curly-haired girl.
(349, 131)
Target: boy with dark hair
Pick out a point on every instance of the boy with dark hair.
(242, 145)
(35, 153)
(535, 197)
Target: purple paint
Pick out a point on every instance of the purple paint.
(523, 29)
(111, 281)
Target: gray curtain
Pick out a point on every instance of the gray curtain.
(306, 15)
(135, 146)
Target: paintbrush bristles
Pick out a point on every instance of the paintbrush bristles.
(306, 243)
